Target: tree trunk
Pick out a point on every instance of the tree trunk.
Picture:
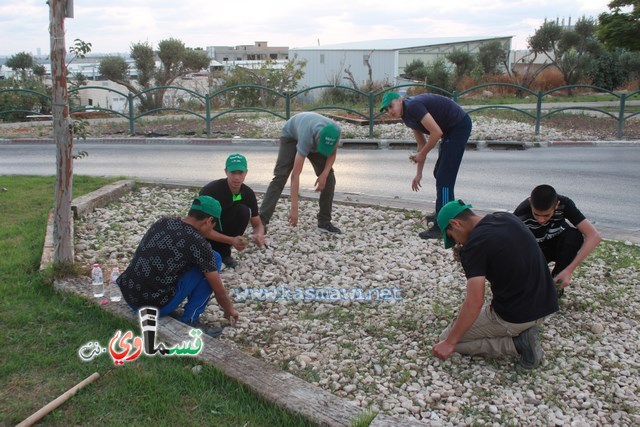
(62, 239)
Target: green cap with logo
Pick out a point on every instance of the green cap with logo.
(446, 214)
(236, 162)
(387, 99)
(327, 139)
(208, 205)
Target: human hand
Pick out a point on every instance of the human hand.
(240, 243)
(415, 184)
(443, 350)
(420, 157)
(293, 217)
(456, 252)
(258, 238)
(563, 279)
(232, 316)
(321, 182)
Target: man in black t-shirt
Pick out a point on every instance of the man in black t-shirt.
(546, 213)
(239, 207)
(174, 262)
(497, 248)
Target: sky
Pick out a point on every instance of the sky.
(111, 26)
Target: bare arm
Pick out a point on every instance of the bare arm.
(298, 164)
(221, 294)
(468, 314)
(234, 241)
(435, 133)
(591, 240)
(421, 140)
(258, 230)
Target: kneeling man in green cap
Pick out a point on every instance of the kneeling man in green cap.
(500, 249)
(175, 262)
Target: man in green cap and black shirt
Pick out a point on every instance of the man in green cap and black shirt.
(239, 208)
(305, 135)
(500, 249)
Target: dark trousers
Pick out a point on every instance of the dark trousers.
(563, 248)
(281, 172)
(234, 222)
(450, 155)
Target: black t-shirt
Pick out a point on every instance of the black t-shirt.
(444, 111)
(168, 249)
(219, 190)
(566, 210)
(503, 250)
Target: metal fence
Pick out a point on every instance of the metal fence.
(368, 100)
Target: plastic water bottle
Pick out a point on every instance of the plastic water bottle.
(97, 281)
(114, 290)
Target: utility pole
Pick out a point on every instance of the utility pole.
(62, 134)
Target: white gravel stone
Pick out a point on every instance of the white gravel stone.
(378, 353)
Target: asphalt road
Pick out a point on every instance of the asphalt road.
(603, 181)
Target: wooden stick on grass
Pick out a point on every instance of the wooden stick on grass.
(58, 401)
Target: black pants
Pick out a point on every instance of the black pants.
(282, 170)
(563, 248)
(234, 222)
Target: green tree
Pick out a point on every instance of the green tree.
(631, 65)
(464, 62)
(21, 63)
(491, 55)
(607, 71)
(618, 29)
(569, 50)
(528, 73)
(23, 103)
(438, 74)
(176, 60)
(415, 70)
(271, 74)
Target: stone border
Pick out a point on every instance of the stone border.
(281, 388)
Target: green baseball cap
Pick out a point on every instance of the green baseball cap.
(387, 98)
(236, 162)
(208, 205)
(327, 139)
(446, 214)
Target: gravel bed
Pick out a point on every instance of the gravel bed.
(484, 129)
(377, 352)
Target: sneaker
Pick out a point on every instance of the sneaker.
(529, 348)
(229, 262)
(432, 233)
(430, 217)
(214, 332)
(329, 228)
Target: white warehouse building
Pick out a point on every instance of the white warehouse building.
(387, 58)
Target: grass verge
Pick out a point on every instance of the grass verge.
(42, 331)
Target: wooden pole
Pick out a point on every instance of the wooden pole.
(59, 401)
(62, 134)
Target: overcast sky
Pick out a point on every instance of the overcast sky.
(113, 25)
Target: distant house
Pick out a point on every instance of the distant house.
(387, 58)
(258, 51)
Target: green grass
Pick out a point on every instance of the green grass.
(42, 331)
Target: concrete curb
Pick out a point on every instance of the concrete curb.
(278, 387)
